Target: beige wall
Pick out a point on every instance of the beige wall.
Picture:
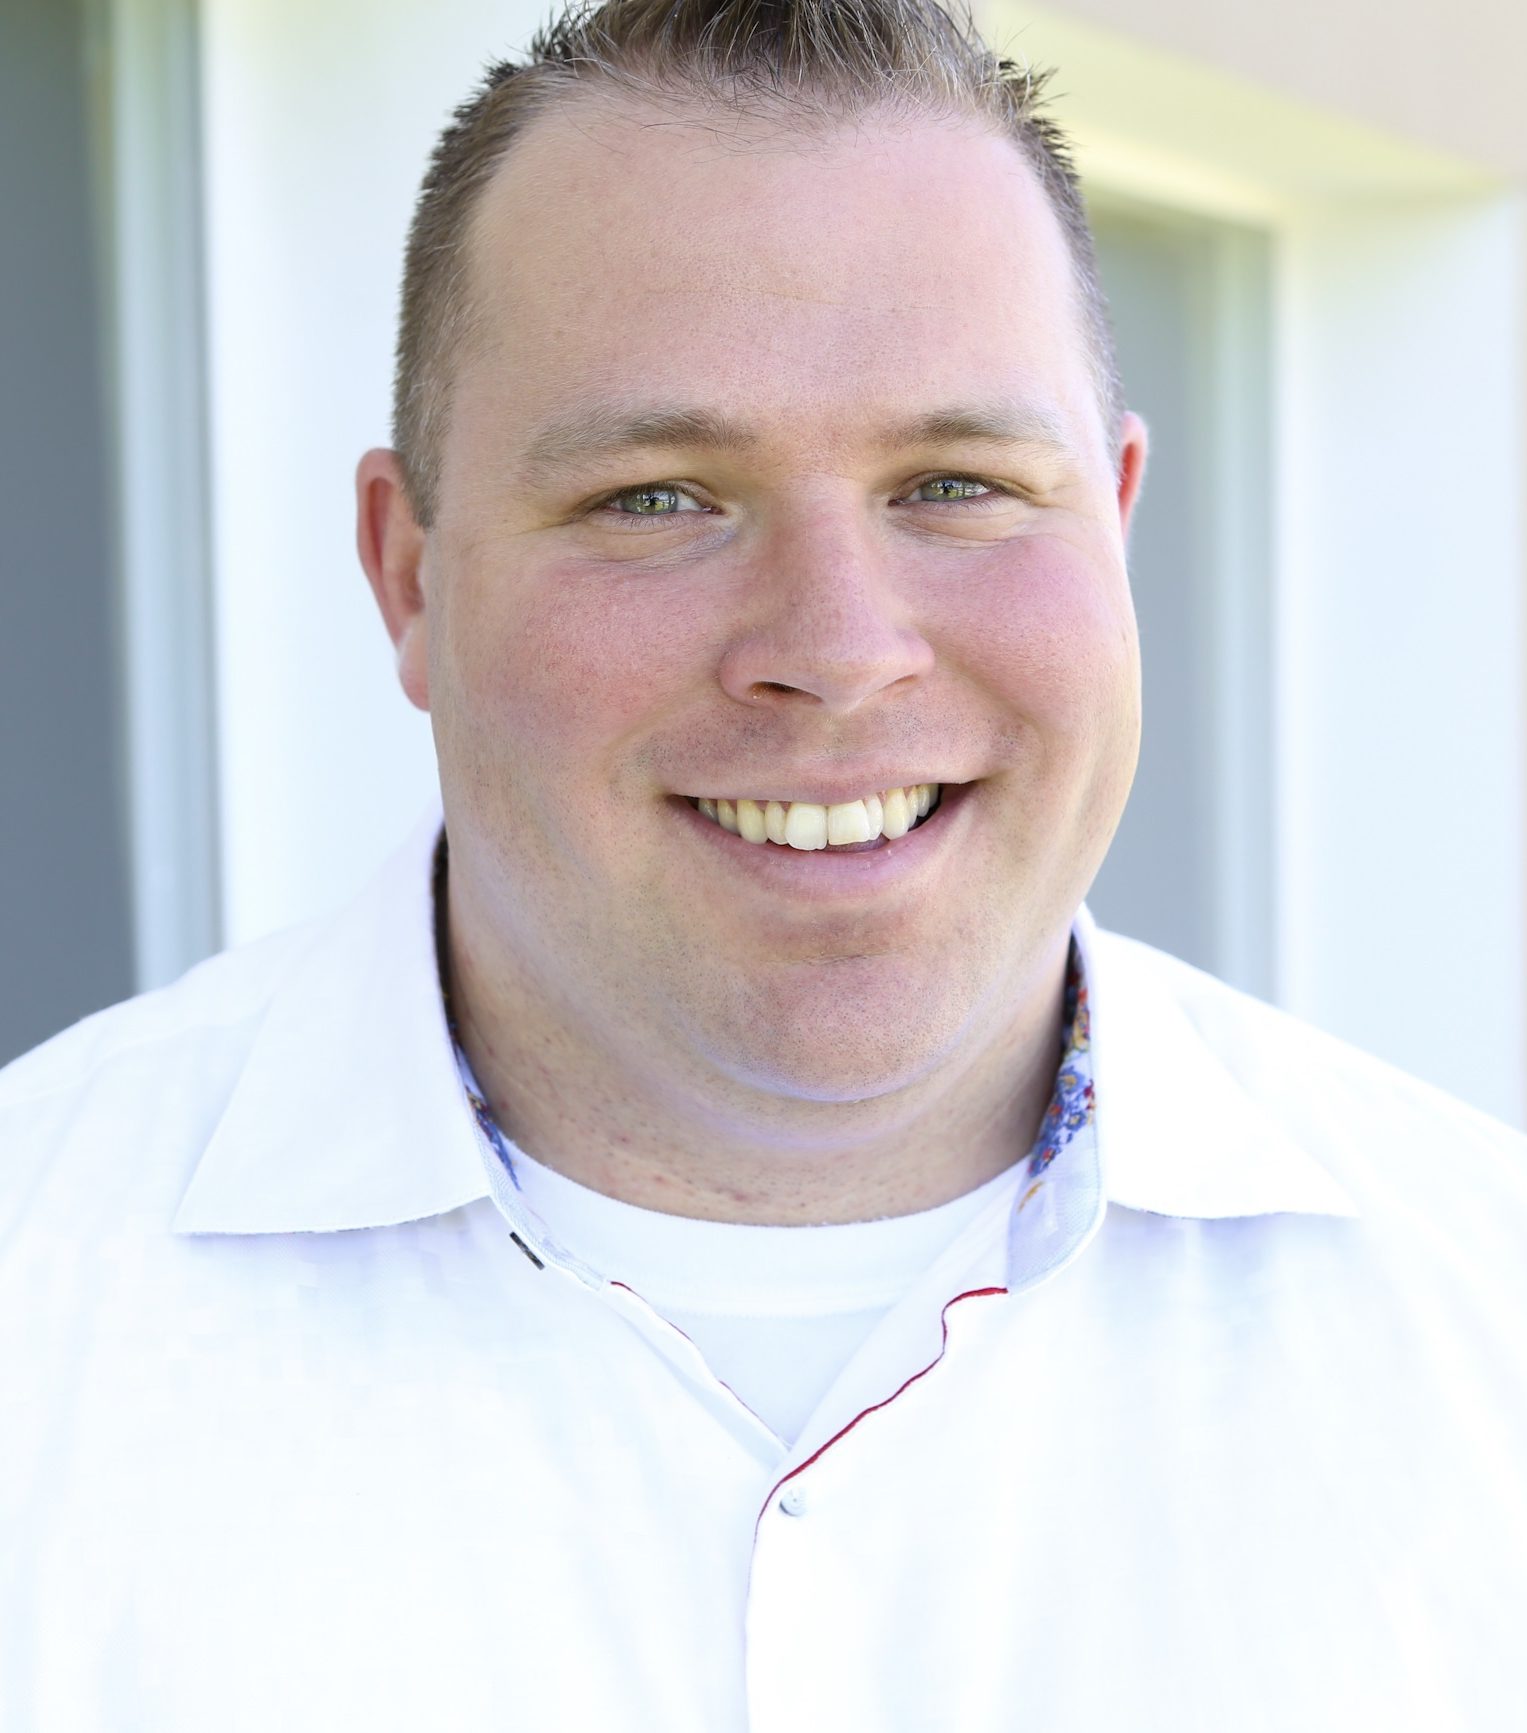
(1447, 78)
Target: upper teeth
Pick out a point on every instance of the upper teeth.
(803, 824)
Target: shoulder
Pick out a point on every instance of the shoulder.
(1390, 1139)
(132, 1093)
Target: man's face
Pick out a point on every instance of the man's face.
(828, 606)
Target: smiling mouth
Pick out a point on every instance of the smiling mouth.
(805, 826)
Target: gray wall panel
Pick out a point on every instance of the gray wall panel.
(65, 928)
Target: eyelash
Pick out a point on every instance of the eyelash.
(639, 520)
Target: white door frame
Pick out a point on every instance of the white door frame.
(145, 80)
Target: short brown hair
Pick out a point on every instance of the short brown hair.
(812, 59)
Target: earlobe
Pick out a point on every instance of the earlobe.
(413, 662)
(391, 546)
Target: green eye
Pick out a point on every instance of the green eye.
(955, 487)
(648, 501)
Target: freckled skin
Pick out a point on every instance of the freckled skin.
(644, 1020)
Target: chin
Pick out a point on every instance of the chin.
(843, 1042)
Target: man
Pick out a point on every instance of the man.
(716, 1239)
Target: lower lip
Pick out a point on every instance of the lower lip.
(829, 873)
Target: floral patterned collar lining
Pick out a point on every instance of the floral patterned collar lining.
(1072, 1101)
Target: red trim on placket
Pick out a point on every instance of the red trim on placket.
(822, 1449)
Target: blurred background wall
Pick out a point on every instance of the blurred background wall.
(1311, 224)
(66, 936)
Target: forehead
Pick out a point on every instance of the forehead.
(846, 271)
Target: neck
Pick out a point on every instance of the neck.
(608, 1107)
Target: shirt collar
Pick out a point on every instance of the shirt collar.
(1178, 1133)
(350, 1113)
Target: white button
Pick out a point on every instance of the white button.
(792, 1500)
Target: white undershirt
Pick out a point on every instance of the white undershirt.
(777, 1312)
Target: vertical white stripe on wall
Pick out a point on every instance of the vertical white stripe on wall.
(318, 124)
(145, 54)
(1400, 637)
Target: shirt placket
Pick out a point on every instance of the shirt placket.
(795, 1647)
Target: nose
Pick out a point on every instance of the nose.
(832, 626)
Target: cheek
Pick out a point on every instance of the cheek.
(556, 667)
(1053, 631)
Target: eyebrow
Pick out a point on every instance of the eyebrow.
(601, 431)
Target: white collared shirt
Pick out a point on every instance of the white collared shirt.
(311, 1427)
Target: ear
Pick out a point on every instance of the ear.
(1134, 441)
(391, 546)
